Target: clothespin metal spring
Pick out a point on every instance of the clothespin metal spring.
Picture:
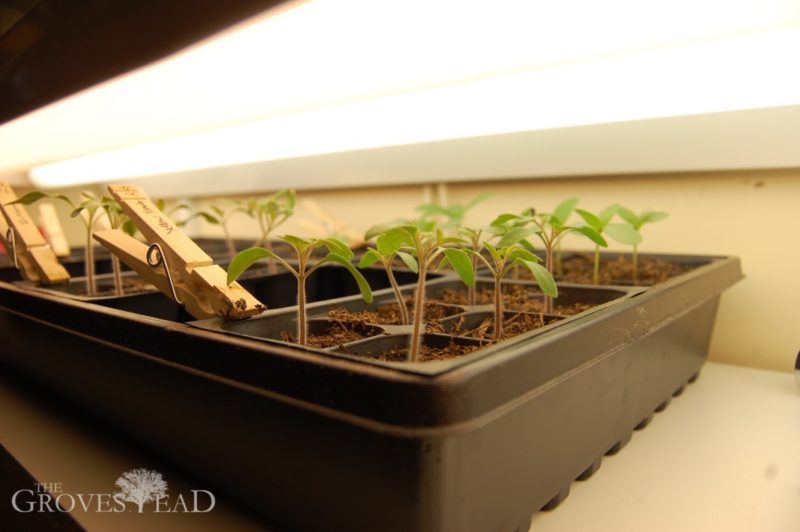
(13, 245)
(157, 259)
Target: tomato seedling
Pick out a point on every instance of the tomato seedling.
(505, 255)
(338, 253)
(425, 243)
(601, 222)
(637, 222)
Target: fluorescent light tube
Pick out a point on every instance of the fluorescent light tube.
(326, 76)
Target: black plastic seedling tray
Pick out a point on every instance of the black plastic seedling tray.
(327, 440)
(273, 325)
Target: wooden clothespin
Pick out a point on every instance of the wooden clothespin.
(30, 251)
(173, 262)
(53, 232)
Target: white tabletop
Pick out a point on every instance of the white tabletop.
(725, 456)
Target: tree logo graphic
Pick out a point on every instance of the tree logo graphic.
(141, 486)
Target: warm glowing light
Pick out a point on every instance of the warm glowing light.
(326, 76)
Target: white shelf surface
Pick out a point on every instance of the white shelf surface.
(725, 456)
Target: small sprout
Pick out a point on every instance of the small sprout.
(93, 206)
(425, 243)
(161, 205)
(270, 212)
(549, 227)
(637, 222)
(388, 247)
(118, 220)
(473, 238)
(600, 222)
(508, 254)
(221, 216)
(453, 214)
(338, 253)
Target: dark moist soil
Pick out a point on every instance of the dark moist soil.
(390, 314)
(512, 326)
(348, 332)
(339, 333)
(427, 353)
(515, 297)
(579, 268)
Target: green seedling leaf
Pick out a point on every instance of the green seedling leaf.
(563, 210)
(522, 254)
(363, 285)
(593, 235)
(109, 203)
(76, 212)
(624, 234)
(651, 216)
(496, 230)
(296, 241)
(379, 229)
(244, 259)
(210, 218)
(607, 214)
(30, 198)
(459, 259)
(289, 196)
(409, 261)
(493, 252)
(629, 216)
(392, 240)
(369, 258)
(336, 246)
(264, 203)
(426, 226)
(376, 230)
(515, 235)
(593, 221)
(129, 228)
(63, 198)
(543, 278)
(479, 257)
(504, 219)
